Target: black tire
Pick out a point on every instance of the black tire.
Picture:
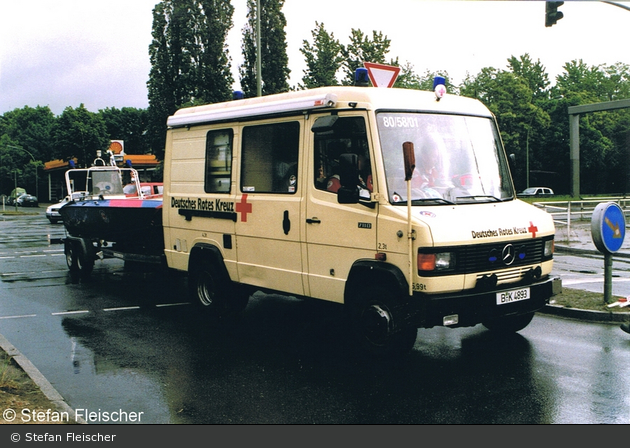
(378, 323)
(69, 251)
(509, 324)
(79, 260)
(215, 294)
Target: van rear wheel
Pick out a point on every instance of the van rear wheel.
(215, 294)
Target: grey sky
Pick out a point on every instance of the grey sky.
(63, 53)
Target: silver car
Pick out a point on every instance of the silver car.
(52, 212)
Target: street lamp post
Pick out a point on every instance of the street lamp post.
(36, 168)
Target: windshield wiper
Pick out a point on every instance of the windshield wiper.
(478, 197)
(425, 201)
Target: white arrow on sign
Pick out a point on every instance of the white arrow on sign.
(382, 75)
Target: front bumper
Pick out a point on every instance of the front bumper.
(472, 308)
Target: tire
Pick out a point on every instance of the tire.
(79, 260)
(378, 324)
(69, 251)
(509, 324)
(215, 294)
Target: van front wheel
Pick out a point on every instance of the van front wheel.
(378, 324)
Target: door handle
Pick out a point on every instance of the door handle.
(313, 221)
(286, 222)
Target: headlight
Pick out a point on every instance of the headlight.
(435, 262)
(549, 248)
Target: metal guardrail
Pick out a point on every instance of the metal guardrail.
(563, 212)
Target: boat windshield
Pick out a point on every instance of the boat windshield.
(102, 181)
(107, 183)
(458, 159)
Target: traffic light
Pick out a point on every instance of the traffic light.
(552, 15)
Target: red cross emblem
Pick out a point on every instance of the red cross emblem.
(243, 208)
(533, 229)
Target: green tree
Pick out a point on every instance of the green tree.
(128, 124)
(363, 49)
(10, 164)
(25, 143)
(273, 49)
(510, 99)
(189, 59)
(323, 59)
(533, 73)
(408, 79)
(604, 136)
(30, 128)
(79, 133)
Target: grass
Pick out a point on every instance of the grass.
(586, 300)
(18, 392)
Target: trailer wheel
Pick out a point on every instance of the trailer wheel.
(215, 294)
(509, 324)
(378, 323)
(79, 260)
(71, 256)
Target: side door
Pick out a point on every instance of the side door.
(337, 234)
(268, 206)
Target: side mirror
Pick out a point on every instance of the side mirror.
(325, 124)
(410, 159)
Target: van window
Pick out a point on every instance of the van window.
(218, 161)
(270, 156)
(347, 136)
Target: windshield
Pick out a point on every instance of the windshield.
(458, 158)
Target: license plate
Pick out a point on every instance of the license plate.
(512, 296)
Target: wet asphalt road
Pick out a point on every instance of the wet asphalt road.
(129, 341)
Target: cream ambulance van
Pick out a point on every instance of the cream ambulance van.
(398, 204)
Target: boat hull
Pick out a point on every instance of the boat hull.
(129, 223)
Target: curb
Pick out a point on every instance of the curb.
(578, 251)
(586, 315)
(40, 380)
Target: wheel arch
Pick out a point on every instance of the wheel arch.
(209, 252)
(368, 272)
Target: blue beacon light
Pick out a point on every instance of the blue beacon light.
(439, 87)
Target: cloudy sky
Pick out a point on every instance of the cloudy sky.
(61, 53)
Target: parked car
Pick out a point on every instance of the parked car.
(27, 200)
(52, 212)
(536, 192)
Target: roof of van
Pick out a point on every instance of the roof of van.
(331, 98)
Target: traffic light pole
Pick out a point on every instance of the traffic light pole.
(627, 8)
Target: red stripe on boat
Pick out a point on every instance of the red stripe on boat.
(127, 203)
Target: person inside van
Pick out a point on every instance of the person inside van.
(429, 170)
(365, 175)
(333, 151)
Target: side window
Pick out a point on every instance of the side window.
(346, 136)
(270, 156)
(218, 161)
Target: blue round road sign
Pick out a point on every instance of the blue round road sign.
(608, 227)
